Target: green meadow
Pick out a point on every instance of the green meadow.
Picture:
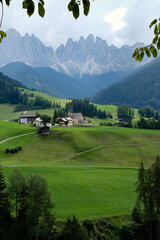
(91, 171)
(11, 129)
(87, 192)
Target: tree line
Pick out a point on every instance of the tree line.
(149, 118)
(9, 92)
(87, 108)
(147, 209)
(25, 207)
(36, 103)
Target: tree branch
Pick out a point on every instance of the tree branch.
(2, 14)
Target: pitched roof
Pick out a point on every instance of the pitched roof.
(77, 115)
(27, 115)
(68, 119)
(39, 120)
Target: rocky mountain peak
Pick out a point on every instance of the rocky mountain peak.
(90, 55)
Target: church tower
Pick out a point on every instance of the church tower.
(70, 112)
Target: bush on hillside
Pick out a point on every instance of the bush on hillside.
(15, 149)
(7, 150)
(19, 148)
(12, 150)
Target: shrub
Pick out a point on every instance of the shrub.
(12, 150)
(19, 148)
(109, 124)
(7, 150)
(15, 149)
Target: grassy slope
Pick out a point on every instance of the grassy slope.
(116, 147)
(11, 129)
(88, 192)
(48, 97)
(77, 187)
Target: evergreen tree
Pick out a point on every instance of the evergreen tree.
(156, 191)
(148, 193)
(4, 209)
(16, 186)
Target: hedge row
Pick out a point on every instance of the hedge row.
(13, 150)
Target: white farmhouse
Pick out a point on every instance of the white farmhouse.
(27, 118)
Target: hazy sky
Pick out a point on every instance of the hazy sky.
(119, 22)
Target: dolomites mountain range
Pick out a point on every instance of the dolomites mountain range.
(90, 56)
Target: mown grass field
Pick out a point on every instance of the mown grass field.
(11, 129)
(76, 163)
(87, 192)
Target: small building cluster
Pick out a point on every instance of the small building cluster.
(72, 119)
(28, 94)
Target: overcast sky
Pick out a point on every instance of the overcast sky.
(119, 22)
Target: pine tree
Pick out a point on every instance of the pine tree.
(4, 209)
(156, 191)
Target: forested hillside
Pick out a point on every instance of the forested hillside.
(9, 92)
(139, 89)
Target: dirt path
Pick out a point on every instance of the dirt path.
(16, 137)
(110, 146)
(77, 154)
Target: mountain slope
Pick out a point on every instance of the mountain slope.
(9, 92)
(93, 56)
(29, 50)
(57, 84)
(139, 89)
(90, 56)
(42, 79)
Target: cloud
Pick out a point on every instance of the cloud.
(118, 22)
(116, 18)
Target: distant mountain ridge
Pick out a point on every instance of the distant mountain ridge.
(139, 89)
(57, 84)
(87, 56)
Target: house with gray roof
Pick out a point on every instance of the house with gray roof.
(77, 118)
(27, 118)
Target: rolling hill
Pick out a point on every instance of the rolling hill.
(80, 167)
(138, 89)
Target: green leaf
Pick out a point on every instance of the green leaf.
(147, 52)
(7, 2)
(71, 5)
(159, 27)
(86, 6)
(42, 2)
(141, 56)
(30, 8)
(153, 22)
(137, 56)
(155, 53)
(155, 40)
(134, 54)
(158, 44)
(152, 49)
(156, 30)
(3, 34)
(76, 10)
(41, 10)
(24, 5)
